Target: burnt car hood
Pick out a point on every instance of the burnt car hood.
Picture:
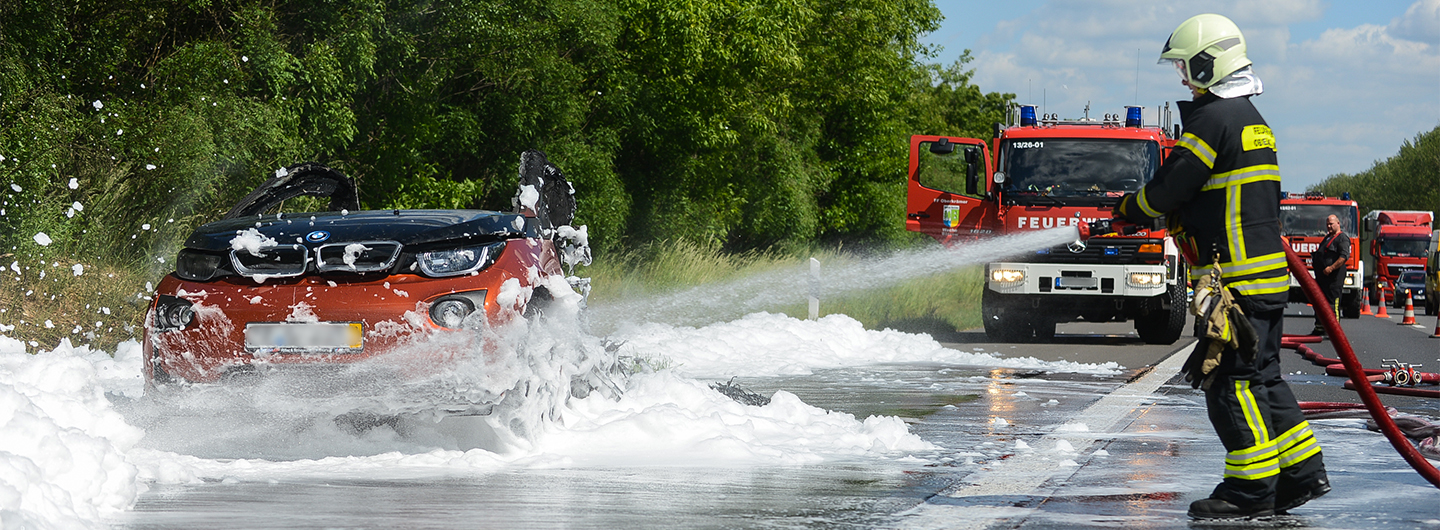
(411, 228)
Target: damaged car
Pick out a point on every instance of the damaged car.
(266, 291)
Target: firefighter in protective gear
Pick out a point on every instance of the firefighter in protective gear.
(1219, 191)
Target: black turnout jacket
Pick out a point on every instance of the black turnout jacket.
(1220, 192)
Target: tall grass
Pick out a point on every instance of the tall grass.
(940, 304)
(46, 302)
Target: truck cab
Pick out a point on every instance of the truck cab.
(1302, 225)
(1042, 173)
(1398, 241)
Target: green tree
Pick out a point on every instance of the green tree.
(1410, 180)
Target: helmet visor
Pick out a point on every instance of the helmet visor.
(1181, 69)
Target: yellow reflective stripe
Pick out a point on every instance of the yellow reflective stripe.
(1297, 444)
(1144, 204)
(1234, 224)
(1246, 175)
(1229, 269)
(1267, 468)
(1306, 450)
(1261, 286)
(1199, 147)
(1252, 455)
(1253, 265)
(1252, 411)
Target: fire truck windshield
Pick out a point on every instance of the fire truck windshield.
(1403, 248)
(1086, 169)
(1308, 219)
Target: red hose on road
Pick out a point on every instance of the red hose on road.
(1357, 373)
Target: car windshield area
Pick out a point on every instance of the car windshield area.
(1403, 248)
(1050, 170)
(1308, 220)
(1412, 277)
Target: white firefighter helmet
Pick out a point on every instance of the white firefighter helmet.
(1205, 49)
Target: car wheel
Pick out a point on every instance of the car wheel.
(1162, 326)
(1001, 322)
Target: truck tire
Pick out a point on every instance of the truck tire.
(1350, 305)
(1002, 324)
(1161, 326)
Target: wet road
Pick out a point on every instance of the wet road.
(1016, 449)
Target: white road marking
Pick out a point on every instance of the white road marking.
(1026, 476)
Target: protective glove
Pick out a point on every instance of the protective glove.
(1225, 326)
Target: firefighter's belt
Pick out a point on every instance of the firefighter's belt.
(1224, 324)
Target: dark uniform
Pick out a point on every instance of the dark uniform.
(1332, 249)
(1220, 191)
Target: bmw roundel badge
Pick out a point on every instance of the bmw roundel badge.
(317, 236)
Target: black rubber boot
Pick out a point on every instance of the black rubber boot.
(1289, 500)
(1213, 508)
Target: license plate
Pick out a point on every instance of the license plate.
(330, 337)
(1076, 282)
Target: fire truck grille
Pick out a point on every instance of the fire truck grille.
(1120, 252)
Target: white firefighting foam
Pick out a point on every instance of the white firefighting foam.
(71, 457)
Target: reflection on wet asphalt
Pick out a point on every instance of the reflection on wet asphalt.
(1143, 477)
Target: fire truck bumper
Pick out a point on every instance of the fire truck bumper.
(1141, 281)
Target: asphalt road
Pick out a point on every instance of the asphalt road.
(1374, 340)
(1144, 452)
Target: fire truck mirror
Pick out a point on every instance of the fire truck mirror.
(972, 171)
(942, 147)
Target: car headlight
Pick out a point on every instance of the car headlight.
(451, 311)
(1146, 279)
(199, 266)
(1007, 275)
(172, 313)
(458, 261)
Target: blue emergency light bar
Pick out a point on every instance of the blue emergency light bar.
(1133, 117)
(1027, 115)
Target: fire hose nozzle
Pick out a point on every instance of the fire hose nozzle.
(1100, 227)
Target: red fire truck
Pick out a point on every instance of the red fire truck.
(1047, 172)
(1398, 242)
(1302, 224)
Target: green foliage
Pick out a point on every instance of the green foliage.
(1410, 180)
(735, 125)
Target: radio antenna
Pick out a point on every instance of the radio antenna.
(1137, 76)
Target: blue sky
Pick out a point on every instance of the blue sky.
(1345, 82)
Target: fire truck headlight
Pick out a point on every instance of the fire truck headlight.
(1006, 276)
(1349, 280)
(1146, 279)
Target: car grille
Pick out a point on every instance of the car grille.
(364, 256)
(271, 261)
(283, 261)
(1395, 270)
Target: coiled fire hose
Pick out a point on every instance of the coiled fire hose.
(1357, 374)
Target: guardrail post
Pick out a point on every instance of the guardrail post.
(814, 289)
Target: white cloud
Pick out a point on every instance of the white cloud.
(1421, 22)
(1339, 101)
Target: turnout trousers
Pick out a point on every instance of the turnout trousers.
(1331, 285)
(1269, 446)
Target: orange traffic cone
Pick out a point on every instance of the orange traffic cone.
(1365, 302)
(1381, 312)
(1409, 317)
(1436, 335)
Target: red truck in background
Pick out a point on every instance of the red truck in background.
(1398, 241)
(1302, 224)
(1047, 172)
